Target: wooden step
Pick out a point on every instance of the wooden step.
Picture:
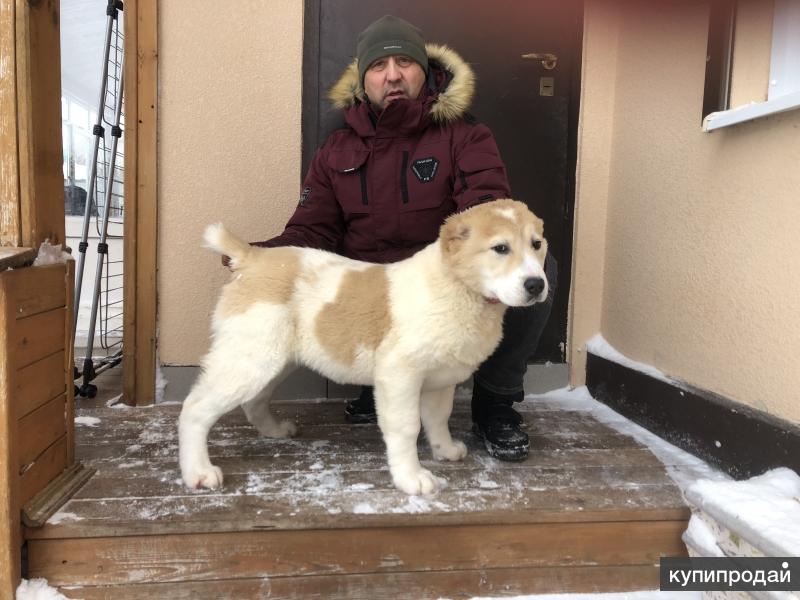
(317, 516)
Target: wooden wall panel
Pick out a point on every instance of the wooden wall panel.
(39, 382)
(38, 336)
(39, 430)
(44, 470)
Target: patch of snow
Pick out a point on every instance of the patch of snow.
(364, 508)
(161, 383)
(488, 484)
(420, 504)
(764, 510)
(599, 346)
(88, 421)
(699, 538)
(37, 589)
(316, 466)
(51, 255)
(114, 402)
(63, 516)
(361, 487)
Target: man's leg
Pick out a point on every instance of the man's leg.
(362, 409)
(498, 383)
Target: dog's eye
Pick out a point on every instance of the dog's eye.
(501, 248)
(537, 244)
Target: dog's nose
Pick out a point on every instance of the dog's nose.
(534, 285)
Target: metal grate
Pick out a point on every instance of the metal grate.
(110, 306)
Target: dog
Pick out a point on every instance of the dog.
(413, 329)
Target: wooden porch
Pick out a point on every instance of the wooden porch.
(317, 517)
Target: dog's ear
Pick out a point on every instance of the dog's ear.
(454, 233)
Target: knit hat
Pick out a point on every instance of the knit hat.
(386, 37)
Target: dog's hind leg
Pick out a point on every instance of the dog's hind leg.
(397, 401)
(259, 414)
(241, 364)
(435, 409)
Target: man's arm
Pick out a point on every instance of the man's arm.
(480, 172)
(317, 221)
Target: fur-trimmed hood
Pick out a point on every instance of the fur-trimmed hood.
(450, 103)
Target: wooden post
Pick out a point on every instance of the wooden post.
(141, 216)
(38, 95)
(10, 234)
(10, 530)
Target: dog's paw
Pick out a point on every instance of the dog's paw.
(286, 429)
(455, 451)
(415, 483)
(277, 430)
(209, 477)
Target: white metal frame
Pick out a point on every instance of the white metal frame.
(784, 72)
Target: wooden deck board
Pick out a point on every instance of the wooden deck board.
(460, 584)
(334, 475)
(591, 509)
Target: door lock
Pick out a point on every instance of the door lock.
(547, 59)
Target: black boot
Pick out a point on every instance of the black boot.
(362, 409)
(499, 425)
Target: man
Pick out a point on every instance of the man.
(380, 187)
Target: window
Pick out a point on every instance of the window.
(753, 67)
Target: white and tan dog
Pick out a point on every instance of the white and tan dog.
(413, 329)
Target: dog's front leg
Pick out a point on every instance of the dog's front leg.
(436, 407)
(397, 401)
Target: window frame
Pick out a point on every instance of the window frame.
(784, 77)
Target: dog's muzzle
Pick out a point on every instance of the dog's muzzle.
(534, 286)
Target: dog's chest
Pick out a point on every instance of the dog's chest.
(465, 345)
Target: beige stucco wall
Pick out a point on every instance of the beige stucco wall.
(685, 244)
(700, 271)
(228, 143)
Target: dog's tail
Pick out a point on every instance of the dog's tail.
(223, 241)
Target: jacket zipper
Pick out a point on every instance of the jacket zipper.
(362, 173)
(404, 177)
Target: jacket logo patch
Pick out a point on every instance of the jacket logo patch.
(425, 168)
(304, 196)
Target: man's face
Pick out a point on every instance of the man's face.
(388, 79)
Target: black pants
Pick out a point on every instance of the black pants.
(503, 372)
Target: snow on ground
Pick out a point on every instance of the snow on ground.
(684, 468)
(600, 347)
(37, 589)
(763, 511)
(88, 421)
(161, 383)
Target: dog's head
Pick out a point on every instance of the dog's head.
(497, 249)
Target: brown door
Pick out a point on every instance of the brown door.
(531, 109)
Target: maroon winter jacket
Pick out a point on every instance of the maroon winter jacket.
(380, 188)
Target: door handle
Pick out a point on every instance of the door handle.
(547, 59)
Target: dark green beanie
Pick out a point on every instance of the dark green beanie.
(386, 37)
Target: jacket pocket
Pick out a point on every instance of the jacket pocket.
(349, 180)
(425, 179)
